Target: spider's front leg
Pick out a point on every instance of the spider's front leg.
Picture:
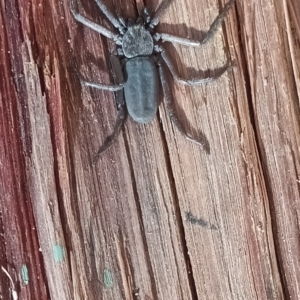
(159, 12)
(116, 23)
(208, 35)
(87, 22)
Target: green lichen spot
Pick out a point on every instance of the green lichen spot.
(24, 274)
(58, 253)
(108, 279)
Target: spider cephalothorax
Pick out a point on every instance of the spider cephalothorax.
(137, 41)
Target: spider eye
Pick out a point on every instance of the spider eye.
(140, 21)
(130, 22)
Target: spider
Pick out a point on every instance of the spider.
(139, 53)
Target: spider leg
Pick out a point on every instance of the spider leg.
(194, 81)
(107, 87)
(159, 12)
(85, 21)
(116, 23)
(208, 35)
(202, 142)
(122, 112)
(121, 117)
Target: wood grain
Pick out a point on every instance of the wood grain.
(157, 218)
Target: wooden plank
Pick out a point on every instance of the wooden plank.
(224, 193)
(20, 254)
(157, 217)
(275, 101)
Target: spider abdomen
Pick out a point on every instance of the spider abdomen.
(141, 89)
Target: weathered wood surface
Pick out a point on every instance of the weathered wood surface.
(157, 218)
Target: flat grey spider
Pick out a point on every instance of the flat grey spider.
(139, 53)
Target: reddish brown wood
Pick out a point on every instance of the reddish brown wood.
(19, 242)
(157, 218)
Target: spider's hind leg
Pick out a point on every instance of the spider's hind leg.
(121, 117)
(122, 112)
(202, 141)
